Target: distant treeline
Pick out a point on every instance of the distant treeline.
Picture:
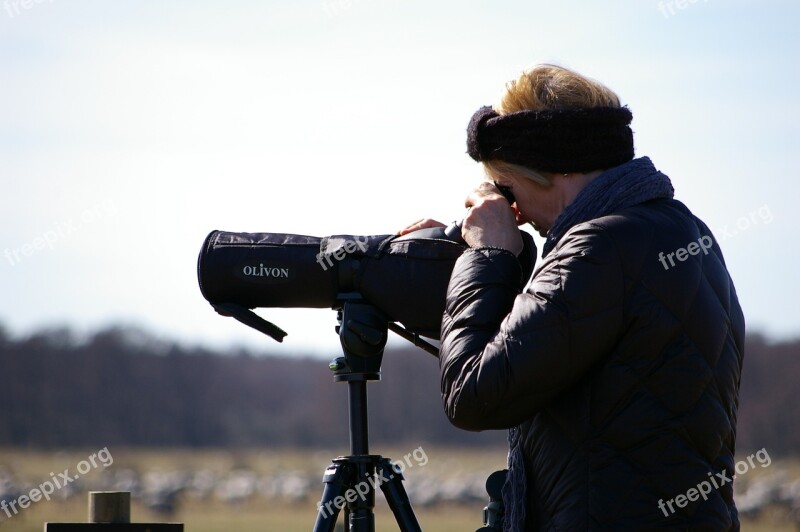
(122, 387)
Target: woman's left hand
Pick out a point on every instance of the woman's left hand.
(490, 222)
(424, 223)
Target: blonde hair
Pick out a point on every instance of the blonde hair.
(541, 88)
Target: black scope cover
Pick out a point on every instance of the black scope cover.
(404, 277)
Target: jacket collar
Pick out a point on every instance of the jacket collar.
(629, 184)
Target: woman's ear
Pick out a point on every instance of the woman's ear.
(518, 215)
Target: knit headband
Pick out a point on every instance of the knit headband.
(559, 140)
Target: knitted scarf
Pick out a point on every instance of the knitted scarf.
(629, 184)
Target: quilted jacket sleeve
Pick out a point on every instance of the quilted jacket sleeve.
(505, 355)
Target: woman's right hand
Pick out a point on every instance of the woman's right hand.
(425, 223)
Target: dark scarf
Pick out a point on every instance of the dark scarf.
(629, 184)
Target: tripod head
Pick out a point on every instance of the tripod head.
(363, 330)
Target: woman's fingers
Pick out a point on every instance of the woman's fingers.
(483, 191)
(424, 223)
(491, 222)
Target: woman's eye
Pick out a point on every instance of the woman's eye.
(506, 192)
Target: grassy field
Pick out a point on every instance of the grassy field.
(205, 518)
(259, 513)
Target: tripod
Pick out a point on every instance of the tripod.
(350, 481)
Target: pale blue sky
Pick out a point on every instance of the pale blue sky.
(129, 130)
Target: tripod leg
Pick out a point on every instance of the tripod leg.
(361, 495)
(337, 478)
(392, 488)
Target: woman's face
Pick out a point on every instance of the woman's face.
(535, 204)
(540, 205)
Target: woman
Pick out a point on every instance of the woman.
(617, 369)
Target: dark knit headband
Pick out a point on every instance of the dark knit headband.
(561, 140)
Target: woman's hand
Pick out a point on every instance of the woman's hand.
(490, 221)
(425, 223)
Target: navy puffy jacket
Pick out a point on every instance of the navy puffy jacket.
(620, 364)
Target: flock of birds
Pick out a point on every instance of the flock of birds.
(163, 491)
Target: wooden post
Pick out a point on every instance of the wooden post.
(109, 507)
(110, 511)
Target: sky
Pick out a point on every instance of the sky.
(131, 129)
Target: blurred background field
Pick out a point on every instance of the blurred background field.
(258, 490)
(215, 490)
(131, 129)
(239, 441)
